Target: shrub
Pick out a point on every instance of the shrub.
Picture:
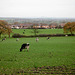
(17, 35)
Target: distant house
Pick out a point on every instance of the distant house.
(45, 26)
(53, 25)
(36, 25)
(21, 26)
(14, 27)
(62, 24)
(40, 26)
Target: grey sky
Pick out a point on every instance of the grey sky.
(37, 8)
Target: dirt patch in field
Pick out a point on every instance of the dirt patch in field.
(54, 70)
(50, 70)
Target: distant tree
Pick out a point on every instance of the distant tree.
(4, 28)
(9, 31)
(35, 30)
(59, 27)
(41, 25)
(1, 31)
(69, 27)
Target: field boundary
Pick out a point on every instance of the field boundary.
(42, 35)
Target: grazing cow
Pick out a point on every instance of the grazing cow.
(23, 32)
(17, 39)
(3, 39)
(37, 39)
(66, 35)
(25, 46)
(48, 38)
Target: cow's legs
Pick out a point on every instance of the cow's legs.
(24, 50)
(28, 48)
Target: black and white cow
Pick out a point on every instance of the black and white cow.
(17, 39)
(48, 38)
(25, 46)
(3, 39)
(37, 39)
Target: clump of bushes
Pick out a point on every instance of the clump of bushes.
(54, 35)
(16, 35)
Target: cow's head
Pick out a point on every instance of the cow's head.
(20, 50)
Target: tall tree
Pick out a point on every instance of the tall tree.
(4, 28)
(69, 27)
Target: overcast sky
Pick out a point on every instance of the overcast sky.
(37, 8)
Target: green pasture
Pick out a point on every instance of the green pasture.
(56, 51)
(30, 32)
(40, 31)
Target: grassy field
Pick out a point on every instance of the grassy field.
(41, 31)
(57, 51)
(30, 31)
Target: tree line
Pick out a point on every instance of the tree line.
(5, 29)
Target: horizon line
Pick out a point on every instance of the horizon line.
(41, 17)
